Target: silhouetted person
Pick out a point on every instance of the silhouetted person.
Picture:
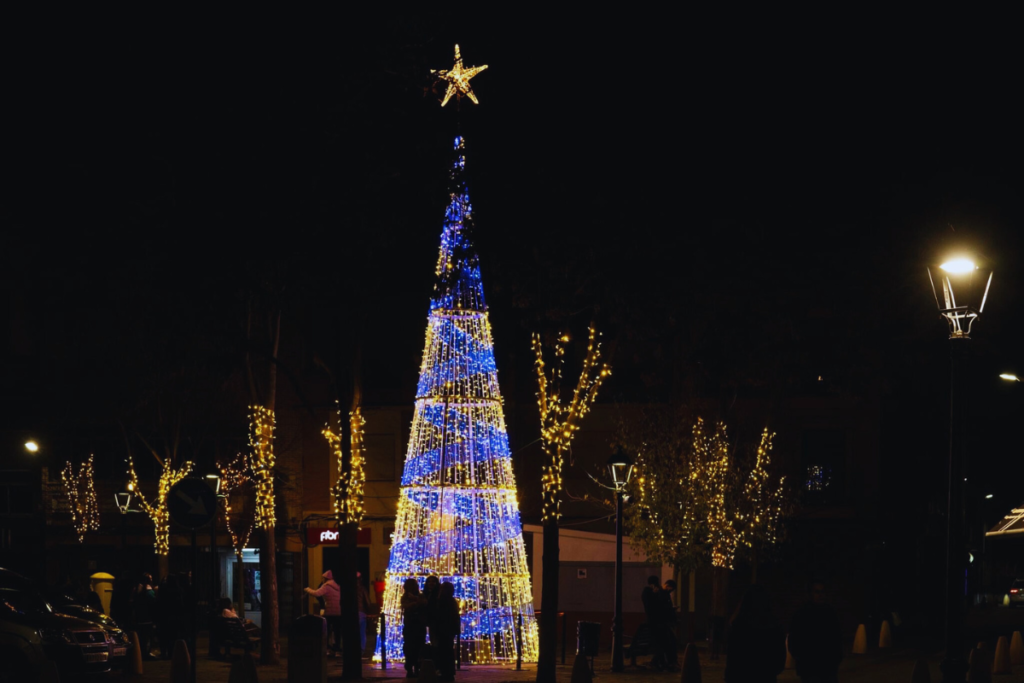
(649, 597)
(756, 646)
(667, 620)
(448, 624)
(815, 640)
(414, 626)
(363, 601)
(145, 610)
(431, 591)
(330, 591)
(122, 604)
(170, 612)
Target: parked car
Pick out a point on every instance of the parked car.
(40, 645)
(120, 644)
(1017, 593)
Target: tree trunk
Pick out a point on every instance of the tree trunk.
(719, 592)
(549, 605)
(269, 646)
(240, 586)
(352, 662)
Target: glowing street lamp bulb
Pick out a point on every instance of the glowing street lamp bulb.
(1009, 377)
(990, 496)
(958, 266)
(31, 447)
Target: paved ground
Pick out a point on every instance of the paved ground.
(893, 666)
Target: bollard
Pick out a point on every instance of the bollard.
(921, 673)
(428, 671)
(243, 670)
(133, 670)
(518, 643)
(581, 670)
(307, 644)
(885, 636)
(383, 640)
(1017, 649)
(181, 663)
(1001, 663)
(790, 662)
(980, 670)
(860, 641)
(691, 665)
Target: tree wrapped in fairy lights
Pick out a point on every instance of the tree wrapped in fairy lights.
(458, 516)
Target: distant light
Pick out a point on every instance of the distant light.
(31, 447)
(958, 266)
(131, 486)
(1009, 378)
(989, 496)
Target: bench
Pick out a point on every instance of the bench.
(227, 632)
(640, 644)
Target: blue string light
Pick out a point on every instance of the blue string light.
(458, 516)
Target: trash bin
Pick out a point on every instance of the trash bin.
(307, 644)
(588, 636)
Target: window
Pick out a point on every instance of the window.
(16, 493)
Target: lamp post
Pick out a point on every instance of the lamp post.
(621, 467)
(963, 284)
(123, 500)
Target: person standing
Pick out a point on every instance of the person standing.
(756, 645)
(448, 624)
(667, 620)
(649, 598)
(363, 601)
(144, 606)
(815, 640)
(414, 626)
(170, 609)
(330, 591)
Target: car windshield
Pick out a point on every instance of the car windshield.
(23, 602)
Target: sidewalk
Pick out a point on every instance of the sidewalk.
(894, 666)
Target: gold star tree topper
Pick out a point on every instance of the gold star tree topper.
(458, 79)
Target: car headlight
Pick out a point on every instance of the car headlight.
(56, 636)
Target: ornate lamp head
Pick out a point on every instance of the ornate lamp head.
(964, 283)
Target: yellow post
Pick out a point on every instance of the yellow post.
(885, 636)
(1001, 665)
(860, 641)
(790, 662)
(1017, 649)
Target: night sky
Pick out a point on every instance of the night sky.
(741, 203)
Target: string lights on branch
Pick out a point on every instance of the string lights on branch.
(458, 513)
(261, 463)
(235, 477)
(157, 507)
(347, 491)
(559, 421)
(80, 490)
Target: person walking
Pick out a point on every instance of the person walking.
(330, 591)
(756, 644)
(414, 626)
(651, 609)
(815, 640)
(448, 625)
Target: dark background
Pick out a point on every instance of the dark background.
(741, 203)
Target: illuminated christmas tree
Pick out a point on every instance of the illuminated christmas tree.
(458, 516)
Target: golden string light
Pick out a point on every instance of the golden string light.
(348, 488)
(235, 475)
(157, 510)
(80, 490)
(559, 421)
(458, 79)
(261, 463)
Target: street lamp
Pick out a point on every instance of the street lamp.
(123, 501)
(213, 480)
(621, 467)
(31, 446)
(964, 285)
(1009, 377)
